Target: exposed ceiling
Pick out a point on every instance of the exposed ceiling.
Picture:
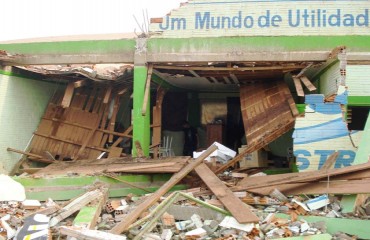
(225, 77)
(207, 77)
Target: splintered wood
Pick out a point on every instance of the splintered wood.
(78, 123)
(351, 179)
(265, 108)
(268, 112)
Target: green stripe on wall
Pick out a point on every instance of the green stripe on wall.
(359, 100)
(285, 43)
(100, 46)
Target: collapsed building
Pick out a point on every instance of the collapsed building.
(288, 85)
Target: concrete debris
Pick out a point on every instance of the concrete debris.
(17, 192)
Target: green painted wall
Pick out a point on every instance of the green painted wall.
(22, 104)
(69, 47)
(240, 44)
(359, 100)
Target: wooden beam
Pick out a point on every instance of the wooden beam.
(107, 95)
(157, 121)
(71, 142)
(273, 180)
(139, 150)
(36, 158)
(125, 182)
(81, 233)
(237, 208)
(87, 217)
(135, 214)
(80, 83)
(147, 89)
(87, 127)
(255, 146)
(234, 69)
(307, 83)
(75, 205)
(68, 95)
(298, 87)
(125, 133)
(330, 161)
(323, 187)
(112, 120)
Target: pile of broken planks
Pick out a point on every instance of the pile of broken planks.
(244, 207)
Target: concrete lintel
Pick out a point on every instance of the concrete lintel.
(50, 59)
(306, 56)
(358, 56)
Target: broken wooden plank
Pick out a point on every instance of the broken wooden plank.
(157, 121)
(329, 163)
(307, 83)
(273, 180)
(139, 166)
(68, 95)
(147, 89)
(125, 133)
(125, 182)
(89, 234)
(80, 83)
(257, 145)
(323, 187)
(87, 217)
(349, 203)
(139, 150)
(123, 226)
(114, 152)
(107, 95)
(238, 209)
(36, 157)
(298, 86)
(75, 205)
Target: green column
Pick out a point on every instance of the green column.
(141, 123)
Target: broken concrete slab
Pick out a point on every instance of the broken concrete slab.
(17, 192)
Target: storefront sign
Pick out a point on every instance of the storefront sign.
(275, 17)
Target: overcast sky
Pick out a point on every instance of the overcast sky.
(45, 18)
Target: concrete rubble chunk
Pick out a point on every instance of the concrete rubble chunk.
(166, 234)
(197, 220)
(182, 225)
(318, 202)
(196, 233)
(10, 232)
(230, 222)
(17, 192)
(168, 219)
(31, 204)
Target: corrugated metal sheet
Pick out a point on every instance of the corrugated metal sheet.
(263, 18)
(330, 81)
(266, 111)
(358, 80)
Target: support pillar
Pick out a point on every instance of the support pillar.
(141, 122)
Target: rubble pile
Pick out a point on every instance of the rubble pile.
(179, 215)
(224, 206)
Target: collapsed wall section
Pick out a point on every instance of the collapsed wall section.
(22, 104)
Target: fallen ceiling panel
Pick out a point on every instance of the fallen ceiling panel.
(268, 111)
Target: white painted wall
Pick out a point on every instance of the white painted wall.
(22, 104)
(358, 80)
(330, 81)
